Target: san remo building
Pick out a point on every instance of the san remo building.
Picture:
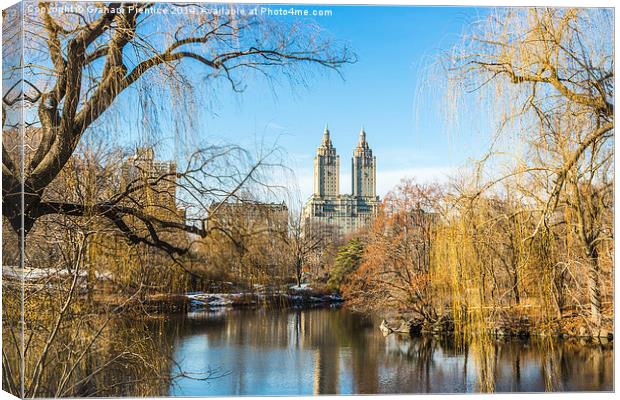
(347, 212)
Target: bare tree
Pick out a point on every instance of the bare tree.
(79, 64)
(305, 239)
(72, 324)
(549, 74)
(86, 206)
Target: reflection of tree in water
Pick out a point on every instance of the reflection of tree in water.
(418, 352)
(338, 349)
(567, 365)
(357, 333)
(549, 365)
(126, 359)
(320, 332)
(435, 364)
(141, 371)
(427, 364)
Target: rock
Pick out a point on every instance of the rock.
(385, 328)
(415, 328)
(583, 332)
(501, 331)
(405, 327)
(410, 327)
(336, 298)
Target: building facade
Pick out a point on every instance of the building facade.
(248, 241)
(158, 182)
(253, 216)
(347, 212)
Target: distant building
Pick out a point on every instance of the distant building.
(247, 239)
(149, 187)
(159, 196)
(250, 215)
(348, 212)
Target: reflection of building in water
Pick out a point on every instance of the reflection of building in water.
(347, 355)
(348, 212)
(319, 336)
(326, 370)
(297, 329)
(365, 364)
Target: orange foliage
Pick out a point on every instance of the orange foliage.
(395, 269)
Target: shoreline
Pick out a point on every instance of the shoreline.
(522, 329)
(197, 301)
(298, 298)
(310, 298)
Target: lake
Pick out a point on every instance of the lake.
(334, 351)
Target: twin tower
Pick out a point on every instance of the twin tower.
(346, 212)
(327, 169)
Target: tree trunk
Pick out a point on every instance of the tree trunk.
(515, 286)
(594, 292)
(298, 266)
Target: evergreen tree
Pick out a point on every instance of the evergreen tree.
(348, 260)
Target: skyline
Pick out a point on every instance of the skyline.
(408, 138)
(389, 91)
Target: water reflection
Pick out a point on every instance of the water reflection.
(332, 351)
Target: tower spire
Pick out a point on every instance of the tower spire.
(326, 168)
(362, 141)
(326, 140)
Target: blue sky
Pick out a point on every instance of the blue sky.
(386, 91)
(404, 124)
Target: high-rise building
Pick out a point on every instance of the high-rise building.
(347, 212)
(364, 169)
(326, 169)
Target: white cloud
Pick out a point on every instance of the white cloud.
(275, 126)
(388, 179)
